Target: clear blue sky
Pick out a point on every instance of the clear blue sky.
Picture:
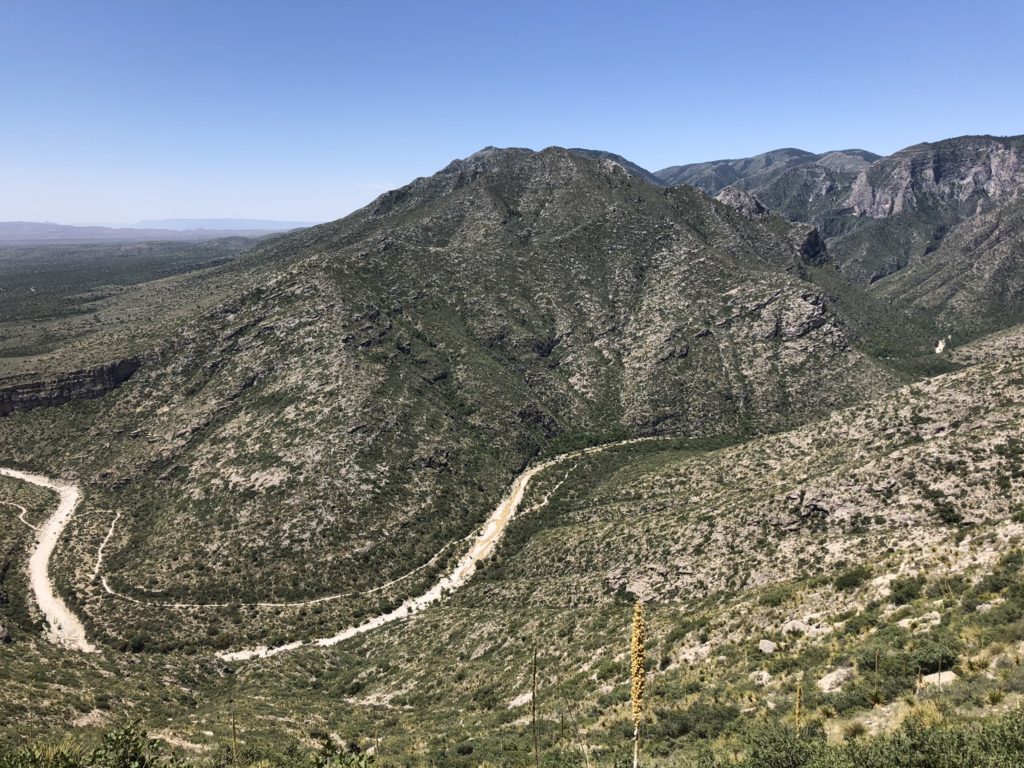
(120, 111)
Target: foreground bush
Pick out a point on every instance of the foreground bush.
(996, 742)
(924, 741)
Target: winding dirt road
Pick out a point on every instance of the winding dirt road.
(63, 626)
(482, 547)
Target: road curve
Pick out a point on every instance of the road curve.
(63, 626)
(481, 548)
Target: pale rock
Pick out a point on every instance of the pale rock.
(940, 678)
(833, 681)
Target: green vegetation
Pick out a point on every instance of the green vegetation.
(829, 561)
(76, 306)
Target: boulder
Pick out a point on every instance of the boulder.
(767, 646)
(940, 678)
(795, 627)
(834, 680)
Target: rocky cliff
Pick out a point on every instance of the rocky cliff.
(57, 390)
(969, 175)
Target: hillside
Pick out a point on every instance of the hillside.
(314, 426)
(866, 552)
(902, 207)
(971, 283)
(759, 172)
(359, 406)
(941, 218)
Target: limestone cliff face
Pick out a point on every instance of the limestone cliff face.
(57, 390)
(973, 173)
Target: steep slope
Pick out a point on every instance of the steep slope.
(870, 549)
(933, 209)
(713, 176)
(903, 206)
(627, 165)
(882, 542)
(973, 282)
(362, 401)
(799, 185)
(809, 192)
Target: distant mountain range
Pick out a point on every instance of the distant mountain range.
(757, 171)
(268, 225)
(28, 232)
(934, 228)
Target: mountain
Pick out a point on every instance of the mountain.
(619, 160)
(972, 282)
(903, 206)
(276, 440)
(262, 225)
(936, 222)
(30, 232)
(376, 381)
(753, 173)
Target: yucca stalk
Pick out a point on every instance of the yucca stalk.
(638, 675)
(533, 713)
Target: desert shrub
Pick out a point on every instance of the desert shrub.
(776, 595)
(936, 651)
(852, 578)
(906, 589)
(703, 719)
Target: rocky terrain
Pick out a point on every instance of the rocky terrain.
(903, 206)
(306, 432)
(936, 223)
(76, 385)
(361, 403)
(753, 173)
(970, 283)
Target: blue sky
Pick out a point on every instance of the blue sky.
(121, 111)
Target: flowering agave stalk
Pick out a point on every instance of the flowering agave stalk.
(638, 675)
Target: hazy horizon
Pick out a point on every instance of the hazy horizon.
(130, 112)
(196, 223)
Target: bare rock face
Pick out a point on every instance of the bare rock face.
(742, 201)
(974, 172)
(57, 390)
(811, 246)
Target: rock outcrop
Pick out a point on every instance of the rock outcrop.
(974, 171)
(76, 385)
(742, 201)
